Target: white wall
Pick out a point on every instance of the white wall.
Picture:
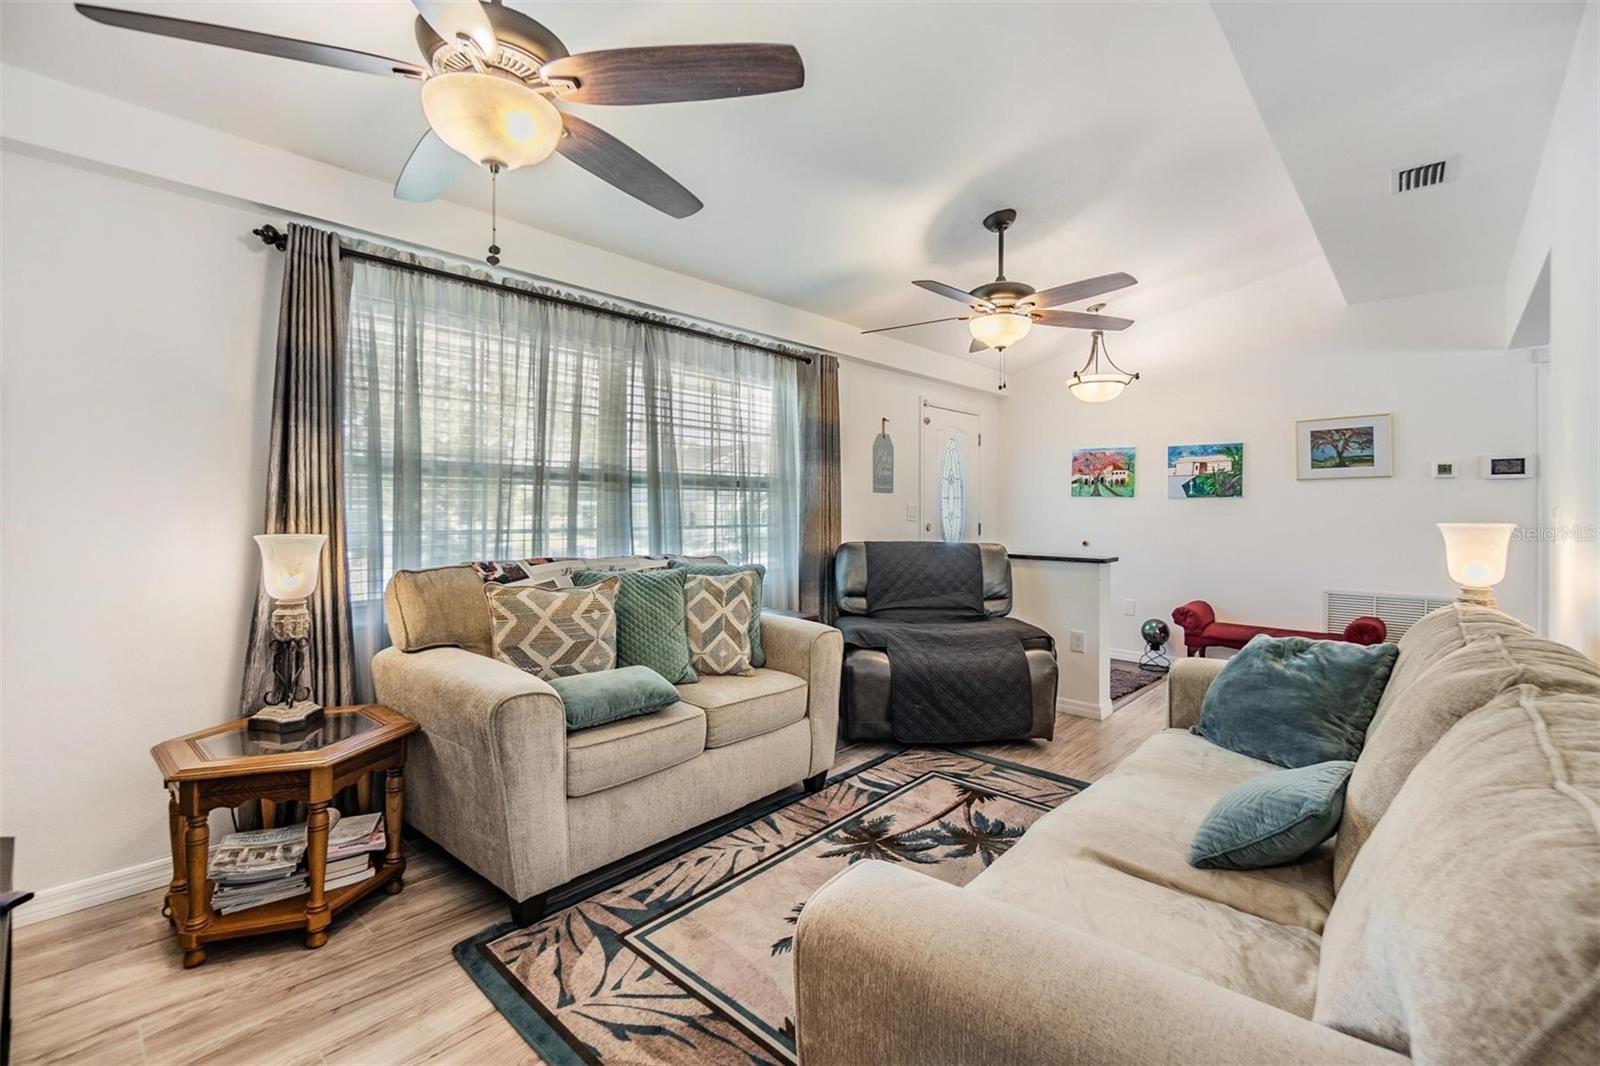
(1563, 228)
(868, 393)
(139, 318)
(137, 337)
(1244, 367)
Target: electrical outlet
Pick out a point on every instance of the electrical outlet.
(1128, 607)
(1076, 640)
(911, 513)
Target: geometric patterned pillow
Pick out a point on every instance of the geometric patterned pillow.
(554, 632)
(719, 611)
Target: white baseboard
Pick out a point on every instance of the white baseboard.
(93, 891)
(1126, 656)
(1081, 708)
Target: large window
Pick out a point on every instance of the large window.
(483, 424)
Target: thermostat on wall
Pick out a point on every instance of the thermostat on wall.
(1507, 467)
(1444, 468)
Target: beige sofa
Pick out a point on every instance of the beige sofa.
(1455, 919)
(495, 778)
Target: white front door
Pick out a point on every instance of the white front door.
(950, 467)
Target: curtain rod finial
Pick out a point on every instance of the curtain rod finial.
(271, 235)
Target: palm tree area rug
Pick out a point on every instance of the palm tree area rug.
(688, 958)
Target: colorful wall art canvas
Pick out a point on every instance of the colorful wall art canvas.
(1102, 472)
(1205, 470)
(1344, 447)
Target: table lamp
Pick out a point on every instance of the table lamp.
(1475, 555)
(290, 563)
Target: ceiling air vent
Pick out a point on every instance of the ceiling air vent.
(1420, 177)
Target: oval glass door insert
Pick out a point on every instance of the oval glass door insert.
(952, 491)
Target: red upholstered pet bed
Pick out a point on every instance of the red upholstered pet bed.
(1201, 630)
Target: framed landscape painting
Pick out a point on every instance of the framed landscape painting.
(1360, 446)
(1210, 471)
(1103, 472)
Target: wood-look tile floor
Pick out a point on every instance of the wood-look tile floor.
(106, 985)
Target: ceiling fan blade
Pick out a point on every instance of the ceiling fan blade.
(613, 162)
(951, 291)
(670, 73)
(1082, 290)
(909, 325)
(1080, 320)
(430, 170)
(454, 19)
(326, 55)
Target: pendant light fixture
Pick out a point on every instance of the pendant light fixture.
(1091, 384)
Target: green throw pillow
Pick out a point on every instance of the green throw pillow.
(651, 620)
(1294, 701)
(758, 654)
(612, 695)
(1273, 819)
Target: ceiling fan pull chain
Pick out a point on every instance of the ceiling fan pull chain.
(494, 215)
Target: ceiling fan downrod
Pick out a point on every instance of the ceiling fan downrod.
(997, 222)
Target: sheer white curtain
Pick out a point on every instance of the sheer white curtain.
(484, 424)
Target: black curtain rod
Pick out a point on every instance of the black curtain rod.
(276, 238)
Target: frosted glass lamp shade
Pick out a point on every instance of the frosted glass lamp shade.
(491, 119)
(1097, 388)
(290, 563)
(1475, 555)
(999, 329)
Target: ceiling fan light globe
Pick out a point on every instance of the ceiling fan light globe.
(999, 329)
(491, 119)
(1096, 388)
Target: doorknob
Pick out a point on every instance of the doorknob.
(928, 527)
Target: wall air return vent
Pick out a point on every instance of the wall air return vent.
(1399, 612)
(1423, 175)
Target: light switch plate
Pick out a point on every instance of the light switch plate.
(1075, 641)
(911, 513)
(1128, 608)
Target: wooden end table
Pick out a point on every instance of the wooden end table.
(230, 764)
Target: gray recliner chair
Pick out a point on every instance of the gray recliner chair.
(865, 684)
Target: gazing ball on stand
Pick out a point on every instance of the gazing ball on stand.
(1155, 634)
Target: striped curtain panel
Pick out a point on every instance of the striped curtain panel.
(821, 492)
(305, 464)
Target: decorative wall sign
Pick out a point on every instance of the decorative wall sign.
(1360, 446)
(883, 459)
(1103, 472)
(1205, 470)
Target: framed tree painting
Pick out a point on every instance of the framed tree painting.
(1360, 446)
(1103, 472)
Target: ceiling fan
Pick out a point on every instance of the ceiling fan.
(1002, 312)
(491, 77)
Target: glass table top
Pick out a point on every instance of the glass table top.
(332, 728)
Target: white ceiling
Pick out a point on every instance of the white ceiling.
(1123, 133)
(1351, 92)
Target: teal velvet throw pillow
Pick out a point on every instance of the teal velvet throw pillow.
(1294, 701)
(612, 695)
(651, 620)
(758, 654)
(1273, 819)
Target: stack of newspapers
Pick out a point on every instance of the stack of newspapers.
(266, 865)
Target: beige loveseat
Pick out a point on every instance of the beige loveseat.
(1455, 919)
(495, 778)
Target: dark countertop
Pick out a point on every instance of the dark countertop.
(1065, 558)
